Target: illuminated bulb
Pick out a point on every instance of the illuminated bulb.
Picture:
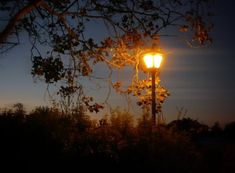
(153, 60)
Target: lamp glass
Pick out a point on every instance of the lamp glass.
(153, 60)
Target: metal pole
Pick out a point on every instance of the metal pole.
(153, 97)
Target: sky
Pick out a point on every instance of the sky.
(200, 80)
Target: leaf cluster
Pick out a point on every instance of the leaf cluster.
(67, 43)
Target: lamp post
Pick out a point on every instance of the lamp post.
(153, 62)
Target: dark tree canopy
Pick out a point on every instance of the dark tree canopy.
(64, 50)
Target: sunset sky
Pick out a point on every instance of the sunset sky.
(202, 80)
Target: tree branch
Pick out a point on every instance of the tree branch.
(13, 21)
(61, 18)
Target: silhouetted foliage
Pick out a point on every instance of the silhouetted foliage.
(47, 140)
(216, 130)
(189, 126)
(229, 130)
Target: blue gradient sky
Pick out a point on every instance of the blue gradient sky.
(200, 80)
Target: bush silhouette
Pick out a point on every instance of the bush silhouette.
(46, 140)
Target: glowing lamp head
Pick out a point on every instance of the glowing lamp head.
(153, 60)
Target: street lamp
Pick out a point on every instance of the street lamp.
(153, 63)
